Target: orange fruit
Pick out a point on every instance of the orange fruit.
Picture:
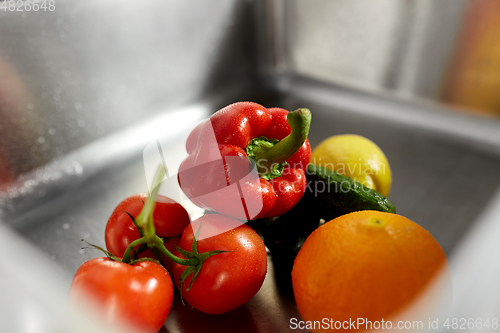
(366, 264)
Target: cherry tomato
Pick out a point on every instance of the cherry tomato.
(139, 295)
(169, 217)
(226, 280)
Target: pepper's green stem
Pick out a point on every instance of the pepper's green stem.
(266, 156)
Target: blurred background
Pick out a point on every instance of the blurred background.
(84, 70)
(445, 51)
(84, 87)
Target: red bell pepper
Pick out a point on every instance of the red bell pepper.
(217, 174)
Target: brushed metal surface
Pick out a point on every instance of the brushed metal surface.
(85, 88)
(88, 69)
(434, 185)
(402, 46)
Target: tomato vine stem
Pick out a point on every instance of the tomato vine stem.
(137, 242)
(145, 224)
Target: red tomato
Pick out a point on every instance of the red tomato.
(139, 295)
(169, 217)
(229, 279)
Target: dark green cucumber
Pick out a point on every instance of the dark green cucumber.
(343, 192)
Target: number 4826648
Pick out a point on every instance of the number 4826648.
(27, 5)
(471, 323)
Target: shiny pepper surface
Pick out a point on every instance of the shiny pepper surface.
(247, 161)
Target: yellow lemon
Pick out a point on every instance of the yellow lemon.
(357, 157)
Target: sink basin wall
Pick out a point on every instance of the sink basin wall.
(94, 82)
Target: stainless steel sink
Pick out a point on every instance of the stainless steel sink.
(445, 165)
(99, 80)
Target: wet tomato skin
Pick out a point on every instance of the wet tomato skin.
(227, 280)
(139, 295)
(169, 217)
